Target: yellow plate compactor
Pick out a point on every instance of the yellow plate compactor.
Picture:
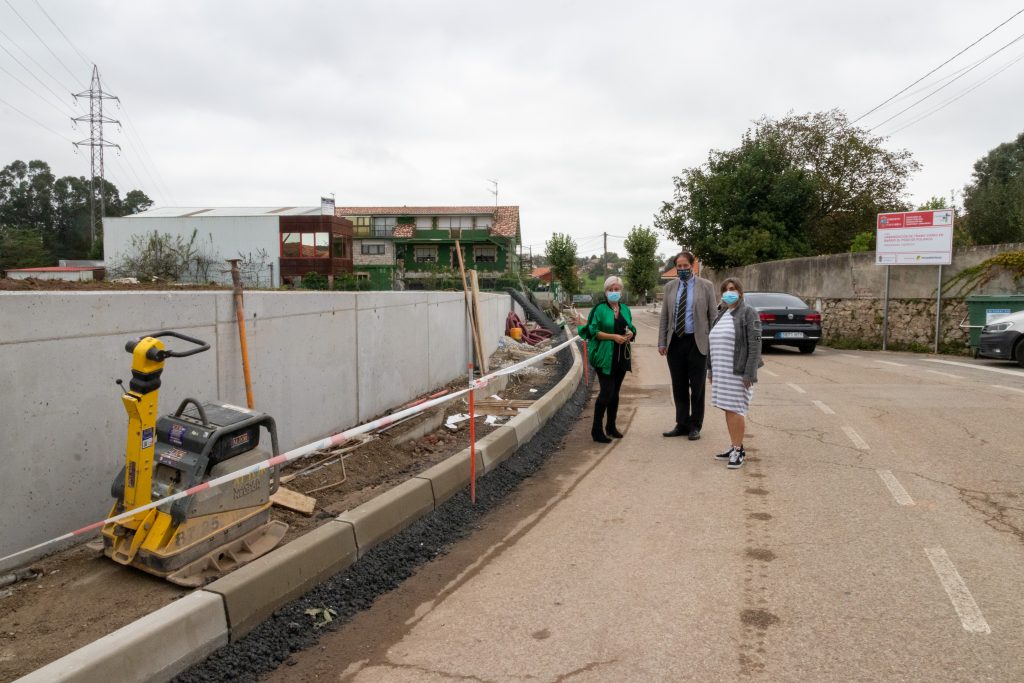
(196, 538)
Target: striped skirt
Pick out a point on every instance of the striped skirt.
(727, 390)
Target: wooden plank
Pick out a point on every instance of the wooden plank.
(293, 500)
(469, 304)
(475, 282)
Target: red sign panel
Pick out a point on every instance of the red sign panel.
(915, 238)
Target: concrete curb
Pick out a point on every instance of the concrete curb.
(154, 648)
(164, 643)
(253, 592)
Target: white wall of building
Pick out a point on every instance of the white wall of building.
(223, 237)
(321, 362)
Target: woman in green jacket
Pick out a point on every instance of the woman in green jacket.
(609, 331)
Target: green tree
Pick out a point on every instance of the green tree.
(560, 251)
(994, 199)
(642, 268)
(57, 209)
(743, 206)
(854, 175)
(934, 204)
(800, 185)
(20, 248)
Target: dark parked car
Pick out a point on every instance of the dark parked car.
(1004, 338)
(786, 320)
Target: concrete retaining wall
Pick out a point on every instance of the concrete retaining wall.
(234, 605)
(321, 362)
(849, 290)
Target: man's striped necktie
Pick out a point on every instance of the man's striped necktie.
(681, 310)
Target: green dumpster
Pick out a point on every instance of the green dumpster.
(983, 308)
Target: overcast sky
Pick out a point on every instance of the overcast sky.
(583, 111)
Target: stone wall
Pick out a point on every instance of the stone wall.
(911, 323)
(849, 290)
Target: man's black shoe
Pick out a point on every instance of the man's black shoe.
(675, 431)
(694, 434)
(600, 437)
(613, 432)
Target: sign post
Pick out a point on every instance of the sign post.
(914, 238)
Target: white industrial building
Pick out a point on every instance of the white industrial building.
(252, 234)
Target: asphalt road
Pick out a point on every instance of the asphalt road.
(876, 532)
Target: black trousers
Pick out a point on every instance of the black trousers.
(608, 398)
(689, 370)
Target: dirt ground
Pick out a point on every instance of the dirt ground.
(82, 595)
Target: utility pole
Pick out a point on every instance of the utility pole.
(96, 144)
(605, 257)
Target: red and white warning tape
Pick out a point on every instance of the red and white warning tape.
(294, 454)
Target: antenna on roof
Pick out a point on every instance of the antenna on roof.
(494, 191)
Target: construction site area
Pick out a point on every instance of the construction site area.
(367, 394)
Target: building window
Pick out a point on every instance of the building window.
(425, 254)
(360, 225)
(362, 276)
(483, 222)
(424, 222)
(458, 222)
(372, 249)
(340, 248)
(485, 254)
(305, 244)
(383, 226)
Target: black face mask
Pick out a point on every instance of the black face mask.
(684, 275)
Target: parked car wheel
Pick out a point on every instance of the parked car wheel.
(1018, 354)
(807, 348)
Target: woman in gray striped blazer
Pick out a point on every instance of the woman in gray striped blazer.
(733, 360)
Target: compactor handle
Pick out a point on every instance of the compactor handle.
(158, 354)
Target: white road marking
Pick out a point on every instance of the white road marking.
(849, 355)
(945, 374)
(895, 488)
(963, 602)
(796, 388)
(824, 408)
(1000, 386)
(769, 373)
(860, 443)
(889, 362)
(1015, 373)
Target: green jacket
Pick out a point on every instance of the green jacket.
(602, 319)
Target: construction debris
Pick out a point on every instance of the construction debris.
(293, 500)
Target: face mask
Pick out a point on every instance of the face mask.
(684, 275)
(730, 298)
(614, 297)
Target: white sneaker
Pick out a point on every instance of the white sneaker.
(736, 458)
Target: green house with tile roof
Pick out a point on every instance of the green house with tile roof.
(415, 245)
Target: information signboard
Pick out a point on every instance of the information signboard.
(914, 238)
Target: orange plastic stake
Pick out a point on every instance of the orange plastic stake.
(472, 443)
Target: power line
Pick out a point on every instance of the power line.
(31, 73)
(34, 92)
(88, 62)
(33, 59)
(876, 108)
(73, 77)
(943, 87)
(41, 125)
(954, 99)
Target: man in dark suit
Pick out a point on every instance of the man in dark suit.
(687, 314)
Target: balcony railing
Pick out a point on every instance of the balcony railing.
(370, 231)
